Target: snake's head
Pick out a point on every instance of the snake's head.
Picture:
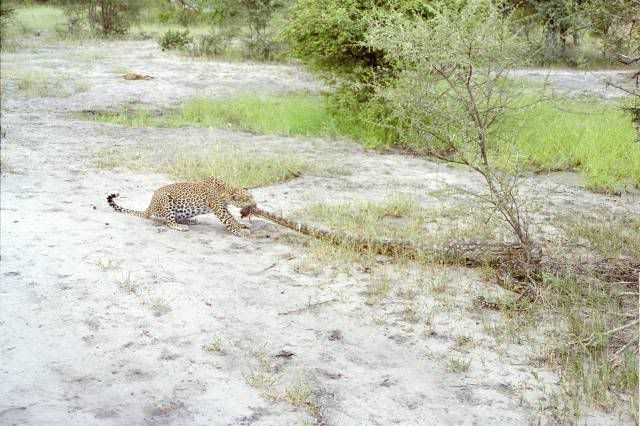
(249, 210)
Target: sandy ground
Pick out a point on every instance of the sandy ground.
(104, 317)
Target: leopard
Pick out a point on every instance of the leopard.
(178, 203)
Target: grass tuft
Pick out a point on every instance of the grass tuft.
(239, 168)
(38, 84)
(299, 395)
(398, 216)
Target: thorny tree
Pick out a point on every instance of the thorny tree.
(453, 91)
(633, 103)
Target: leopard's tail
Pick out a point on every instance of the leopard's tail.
(112, 203)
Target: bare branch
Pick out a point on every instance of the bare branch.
(627, 60)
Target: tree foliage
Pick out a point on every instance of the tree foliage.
(453, 89)
(6, 12)
(329, 34)
(106, 17)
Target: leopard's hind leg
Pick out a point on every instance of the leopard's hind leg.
(166, 211)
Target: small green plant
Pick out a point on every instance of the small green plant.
(299, 395)
(128, 285)
(158, 304)
(174, 39)
(410, 314)
(261, 378)
(106, 264)
(458, 365)
(464, 343)
(214, 346)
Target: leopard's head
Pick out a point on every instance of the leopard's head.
(241, 197)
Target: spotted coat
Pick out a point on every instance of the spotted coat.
(178, 203)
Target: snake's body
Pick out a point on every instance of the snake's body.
(467, 252)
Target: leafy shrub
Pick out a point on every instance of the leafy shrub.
(258, 14)
(107, 17)
(6, 12)
(329, 35)
(175, 39)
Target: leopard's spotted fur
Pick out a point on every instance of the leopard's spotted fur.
(179, 202)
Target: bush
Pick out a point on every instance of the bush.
(258, 14)
(175, 39)
(214, 44)
(6, 13)
(107, 17)
(329, 36)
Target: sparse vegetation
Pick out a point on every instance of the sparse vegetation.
(214, 346)
(458, 365)
(112, 157)
(240, 168)
(38, 84)
(127, 284)
(106, 264)
(299, 395)
(603, 151)
(395, 217)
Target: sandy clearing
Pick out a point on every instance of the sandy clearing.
(103, 317)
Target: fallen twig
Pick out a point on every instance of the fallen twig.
(309, 306)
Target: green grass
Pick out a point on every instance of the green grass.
(39, 84)
(34, 19)
(595, 368)
(287, 115)
(610, 235)
(156, 29)
(396, 217)
(240, 168)
(594, 138)
(299, 115)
